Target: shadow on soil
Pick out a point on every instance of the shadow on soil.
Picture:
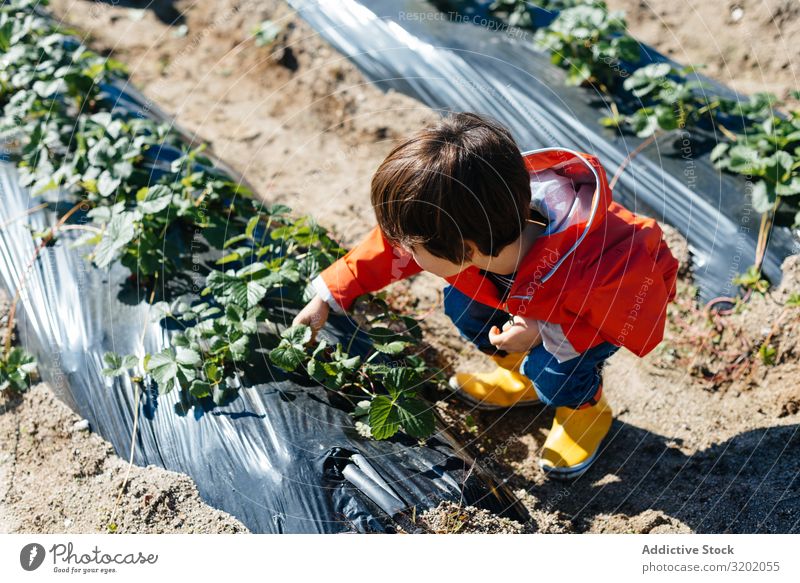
(163, 9)
(747, 484)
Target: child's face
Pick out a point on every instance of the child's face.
(436, 265)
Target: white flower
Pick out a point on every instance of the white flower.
(363, 429)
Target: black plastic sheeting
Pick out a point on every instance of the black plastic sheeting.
(463, 62)
(282, 456)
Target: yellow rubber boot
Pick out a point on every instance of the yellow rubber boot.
(502, 388)
(575, 438)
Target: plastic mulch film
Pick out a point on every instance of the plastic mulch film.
(281, 456)
(450, 62)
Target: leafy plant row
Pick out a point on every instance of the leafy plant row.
(161, 207)
(592, 44)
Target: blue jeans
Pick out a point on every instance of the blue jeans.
(558, 384)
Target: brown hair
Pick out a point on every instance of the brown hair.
(462, 179)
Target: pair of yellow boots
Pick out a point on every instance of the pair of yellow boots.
(575, 437)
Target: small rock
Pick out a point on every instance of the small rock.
(82, 425)
(67, 522)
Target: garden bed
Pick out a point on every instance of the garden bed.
(173, 287)
(677, 438)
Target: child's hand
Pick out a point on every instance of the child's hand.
(314, 315)
(519, 335)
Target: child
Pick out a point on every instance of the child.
(547, 274)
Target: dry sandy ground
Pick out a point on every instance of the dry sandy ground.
(750, 45)
(57, 477)
(686, 453)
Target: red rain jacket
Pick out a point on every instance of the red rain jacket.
(598, 273)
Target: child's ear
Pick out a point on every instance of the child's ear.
(470, 250)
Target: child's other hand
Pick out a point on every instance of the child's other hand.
(314, 314)
(519, 335)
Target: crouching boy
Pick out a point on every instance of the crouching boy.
(547, 274)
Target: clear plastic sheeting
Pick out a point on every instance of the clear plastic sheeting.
(458, 62)
(282, 456)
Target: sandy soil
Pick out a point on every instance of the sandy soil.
(685, 454)
(58, 477)
(450, 518)
(750, 45)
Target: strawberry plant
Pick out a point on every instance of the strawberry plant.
(266, 33)
(16, 369)
(769, 152)
(514, 12)
(384, 411)
(149, 202)
(518, 12)
(668, 101)
(590, 43)
(752, 280)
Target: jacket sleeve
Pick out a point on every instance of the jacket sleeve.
(368, 267)
(631, 287)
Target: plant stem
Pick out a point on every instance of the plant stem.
(28, 212)
(629, 158)
(767, 222)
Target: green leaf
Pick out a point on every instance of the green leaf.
(117, 365)
(287, 356)
(16, 369)
(249, 294)
(416, 417)
(666, 118)
(251, 227)
(266, 32)
(163, 367)
(384, 420)
(790, 188)
(235, 240)
(778, 167)
(107, 184)
(228, 287)
(297, 335)
(744, 160)
(49, 88)
(719, 151)
(392, 348)
(400, 379)
(643, 122)
(361, 409)
(229, 258)
(752, 279)
(213, 372)
(200, 389)
(767, 354)
(648, 78)
(187, 357)
(119, 232)
(291, 353)
(763, 196)
(611, 121)
(233, 313)
(239, 348)
(350, 364)
(154, 199)
(6, 30)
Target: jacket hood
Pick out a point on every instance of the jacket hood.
(571, 190)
